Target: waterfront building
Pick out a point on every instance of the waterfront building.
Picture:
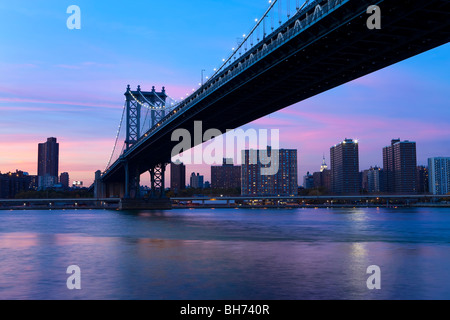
(196, 181)
(422, 180)
(12, 183)
(308, 181)
(375, 178)
(283, 182)
(400, 167)
(226, 176)
(177, 176)
(439, 175)
(322, 178)
(64, 180)
(48, 163)
(345, 176)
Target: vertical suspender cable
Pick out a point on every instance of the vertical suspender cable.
(288, 9)
(280, 9)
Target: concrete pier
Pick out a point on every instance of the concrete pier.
(145, 204)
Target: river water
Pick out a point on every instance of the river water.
(226, 254)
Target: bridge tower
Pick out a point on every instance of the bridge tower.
(155, 103)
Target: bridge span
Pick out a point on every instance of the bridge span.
(323, 45)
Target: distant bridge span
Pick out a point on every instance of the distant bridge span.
(324, 45)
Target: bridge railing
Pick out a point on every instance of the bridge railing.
(298, 23)
(285, 33)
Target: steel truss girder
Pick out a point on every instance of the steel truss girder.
(157, 180)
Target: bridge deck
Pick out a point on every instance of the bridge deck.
(301, 63)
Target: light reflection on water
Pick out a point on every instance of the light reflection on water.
(226, 254)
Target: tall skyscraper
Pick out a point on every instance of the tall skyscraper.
(345, 177)
(284, 182)
(227, 176)
(400, 167)
(177, 176)
(439, 175)
(48, 163)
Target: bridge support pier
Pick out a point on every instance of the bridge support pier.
(132, 182)
(157, 181)
(99, 186)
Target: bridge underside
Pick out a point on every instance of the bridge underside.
(335, 50)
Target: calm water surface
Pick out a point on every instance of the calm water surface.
(226, 254)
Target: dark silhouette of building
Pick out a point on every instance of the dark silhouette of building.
(283, 182)
(322, 179)
(364, 176)
(177, 176)
(345, 176)
(400, 167)
(308, 181)
(12, 183)
(64, 180)
(226, 176)
(48, 163)
(422, 180)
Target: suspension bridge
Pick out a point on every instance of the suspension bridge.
(293, 52)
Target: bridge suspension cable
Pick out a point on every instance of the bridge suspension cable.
(117, 136)
(261, 23)
(244, 44)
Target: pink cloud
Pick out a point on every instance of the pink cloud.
(59, 102)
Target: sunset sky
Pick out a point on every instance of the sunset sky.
(69, 84)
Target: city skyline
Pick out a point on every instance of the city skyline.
(208, 177)
(52, 78)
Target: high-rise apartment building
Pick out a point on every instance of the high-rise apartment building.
(439, 175)
(226, 176)
(400, 167)
(345, 176)
(177, 176)
(283, 181)
(48, 163)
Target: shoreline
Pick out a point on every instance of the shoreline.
(311, 206)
